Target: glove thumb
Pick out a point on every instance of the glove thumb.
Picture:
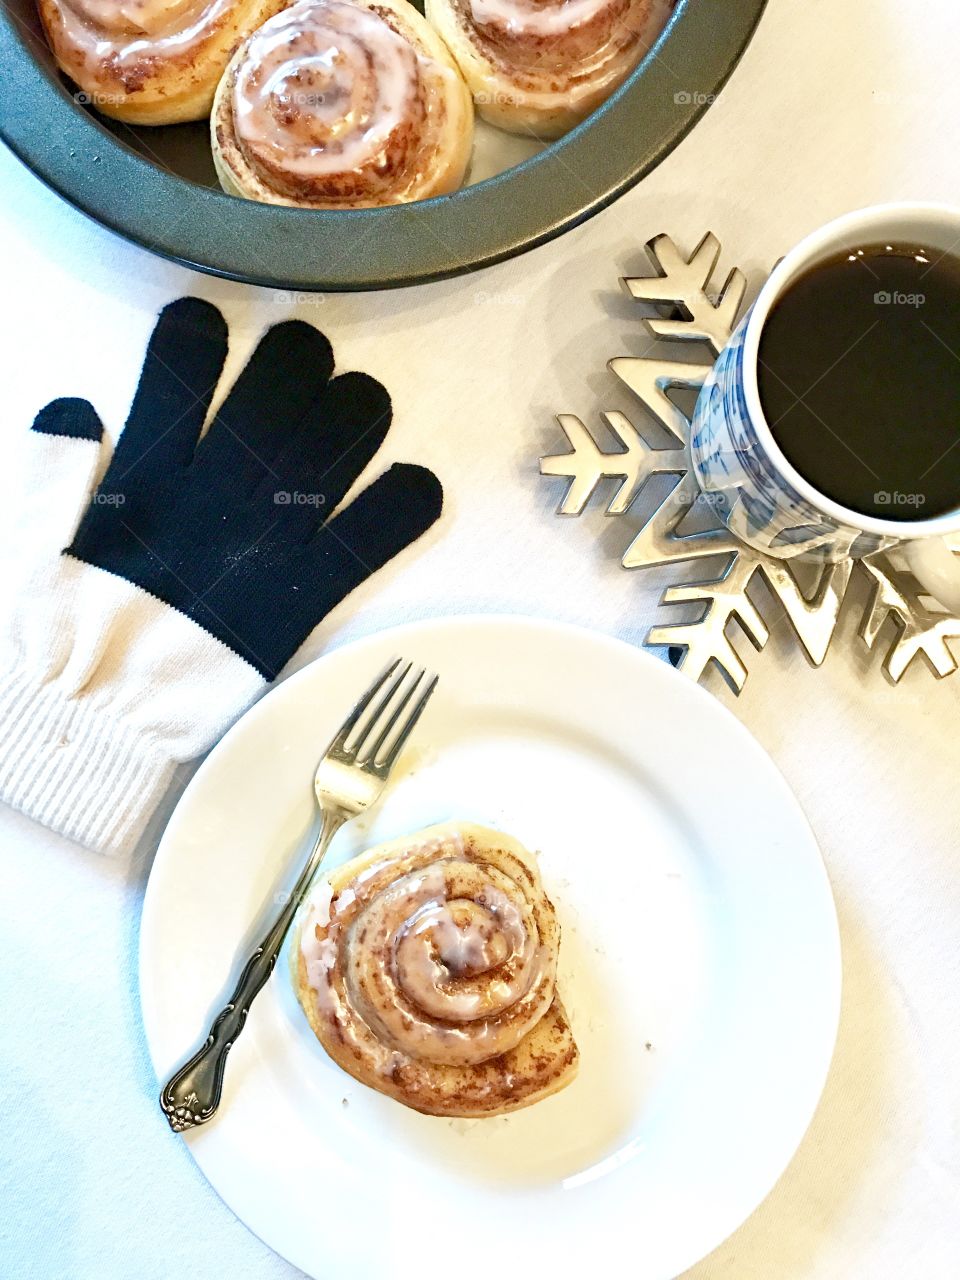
(55, 475)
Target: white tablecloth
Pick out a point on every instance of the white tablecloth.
(838, 103)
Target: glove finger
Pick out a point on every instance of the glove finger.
(343, 429)
(181, 369)
(56, 471)
(289, 368)
(381, 521)
(335, 440)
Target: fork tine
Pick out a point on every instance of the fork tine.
(364, 750)
(344, 731)
(380, 705)
(413, 716)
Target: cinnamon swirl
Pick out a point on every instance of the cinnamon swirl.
(427, 970)
(541, 66)
(342, 104)
(149, 61)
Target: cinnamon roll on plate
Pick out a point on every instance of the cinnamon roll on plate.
(342, 104)
(427, 970)
(541, 66)
(149, 61)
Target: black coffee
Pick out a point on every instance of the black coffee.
(859, 376)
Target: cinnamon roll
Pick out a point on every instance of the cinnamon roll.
(149, 61)
(342, 104)
(427, 970)
(541, 66)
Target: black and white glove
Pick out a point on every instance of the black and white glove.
(197, 568)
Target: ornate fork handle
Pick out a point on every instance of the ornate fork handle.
(191, 1096)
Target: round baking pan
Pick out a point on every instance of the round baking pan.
(157, 188)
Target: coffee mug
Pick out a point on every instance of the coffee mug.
(759, 495)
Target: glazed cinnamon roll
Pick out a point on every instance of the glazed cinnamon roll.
(342, 104)
(541, 66)
(149, 61)
(427, 970)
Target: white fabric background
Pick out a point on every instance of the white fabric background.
(838, 103)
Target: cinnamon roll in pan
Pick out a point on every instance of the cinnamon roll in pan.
(342, 104)
(541, 66)
(427, 970)
(149, 61)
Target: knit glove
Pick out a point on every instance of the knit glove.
(194, 570)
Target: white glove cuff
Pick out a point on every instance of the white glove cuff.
(74, 768)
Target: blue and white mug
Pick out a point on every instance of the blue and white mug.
(758, 494)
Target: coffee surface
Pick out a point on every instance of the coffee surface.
(859, 379)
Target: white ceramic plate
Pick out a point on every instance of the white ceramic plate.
(700, 966)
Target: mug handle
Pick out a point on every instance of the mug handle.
(937, 570)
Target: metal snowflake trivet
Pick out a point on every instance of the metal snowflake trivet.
(701, 316)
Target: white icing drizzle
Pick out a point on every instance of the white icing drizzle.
(447, 940)
(564, 49)
(320, 954)
(441, 963)
(328, 88)
(536, 18)
(129, 31)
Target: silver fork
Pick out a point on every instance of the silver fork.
(349, 779)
